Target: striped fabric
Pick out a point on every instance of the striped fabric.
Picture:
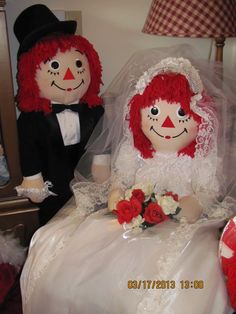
(192, 18)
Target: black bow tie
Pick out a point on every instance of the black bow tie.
(57, 108)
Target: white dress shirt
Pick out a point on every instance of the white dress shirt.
(69, 125)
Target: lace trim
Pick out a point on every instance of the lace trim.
(37, 194)
(90, 196)
(176, 65)
(207, 132)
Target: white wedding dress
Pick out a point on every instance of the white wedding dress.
(83, 265)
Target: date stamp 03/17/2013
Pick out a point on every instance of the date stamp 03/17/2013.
(165, 284)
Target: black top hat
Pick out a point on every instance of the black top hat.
(36, 22)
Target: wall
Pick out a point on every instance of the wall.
(114, 27)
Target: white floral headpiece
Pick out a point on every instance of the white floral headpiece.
(176, 65)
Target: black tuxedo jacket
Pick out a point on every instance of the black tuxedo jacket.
(42, 150)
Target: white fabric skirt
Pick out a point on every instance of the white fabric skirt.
(93, 266)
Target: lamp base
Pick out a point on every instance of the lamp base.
(220, 42)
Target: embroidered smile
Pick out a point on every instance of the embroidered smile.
(167, 136)
(67, 89)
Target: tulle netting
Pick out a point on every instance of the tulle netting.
(216, 145)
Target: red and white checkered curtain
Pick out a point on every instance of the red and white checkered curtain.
(192, 18)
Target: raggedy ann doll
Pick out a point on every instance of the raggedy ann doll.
(164, 122)
(59, 78)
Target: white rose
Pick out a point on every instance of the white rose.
(128, 194)
(135, 223)
(147, 189)
(168, 204)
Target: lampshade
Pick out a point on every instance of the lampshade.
(192, 18)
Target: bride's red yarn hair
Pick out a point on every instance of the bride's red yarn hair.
(171, 87)
(28, 92)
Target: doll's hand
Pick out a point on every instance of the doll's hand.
(190, 208)
(114, 197)
(101, 168)
(35, 189)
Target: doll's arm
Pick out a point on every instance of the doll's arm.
(101, 163)
(101, 168)
(205, 186)
(34, 188)
(114, 197)
(190, 208)
(33, 185)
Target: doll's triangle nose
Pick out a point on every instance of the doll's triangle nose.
(69, 75)
(168, 123)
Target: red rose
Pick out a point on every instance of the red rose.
(154, 214)
(174, 196)
(124, 211)
(127, 210)
(138, 193)
(7, 278)
(136, 206)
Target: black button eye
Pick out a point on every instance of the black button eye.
(78, 63)
(181, 113)
(155, 111)
(54, 64)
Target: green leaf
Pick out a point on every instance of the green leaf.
(178, 209)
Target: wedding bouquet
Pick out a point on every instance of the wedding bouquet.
(143, 208)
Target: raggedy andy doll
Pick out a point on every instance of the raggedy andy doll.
(59, 77)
